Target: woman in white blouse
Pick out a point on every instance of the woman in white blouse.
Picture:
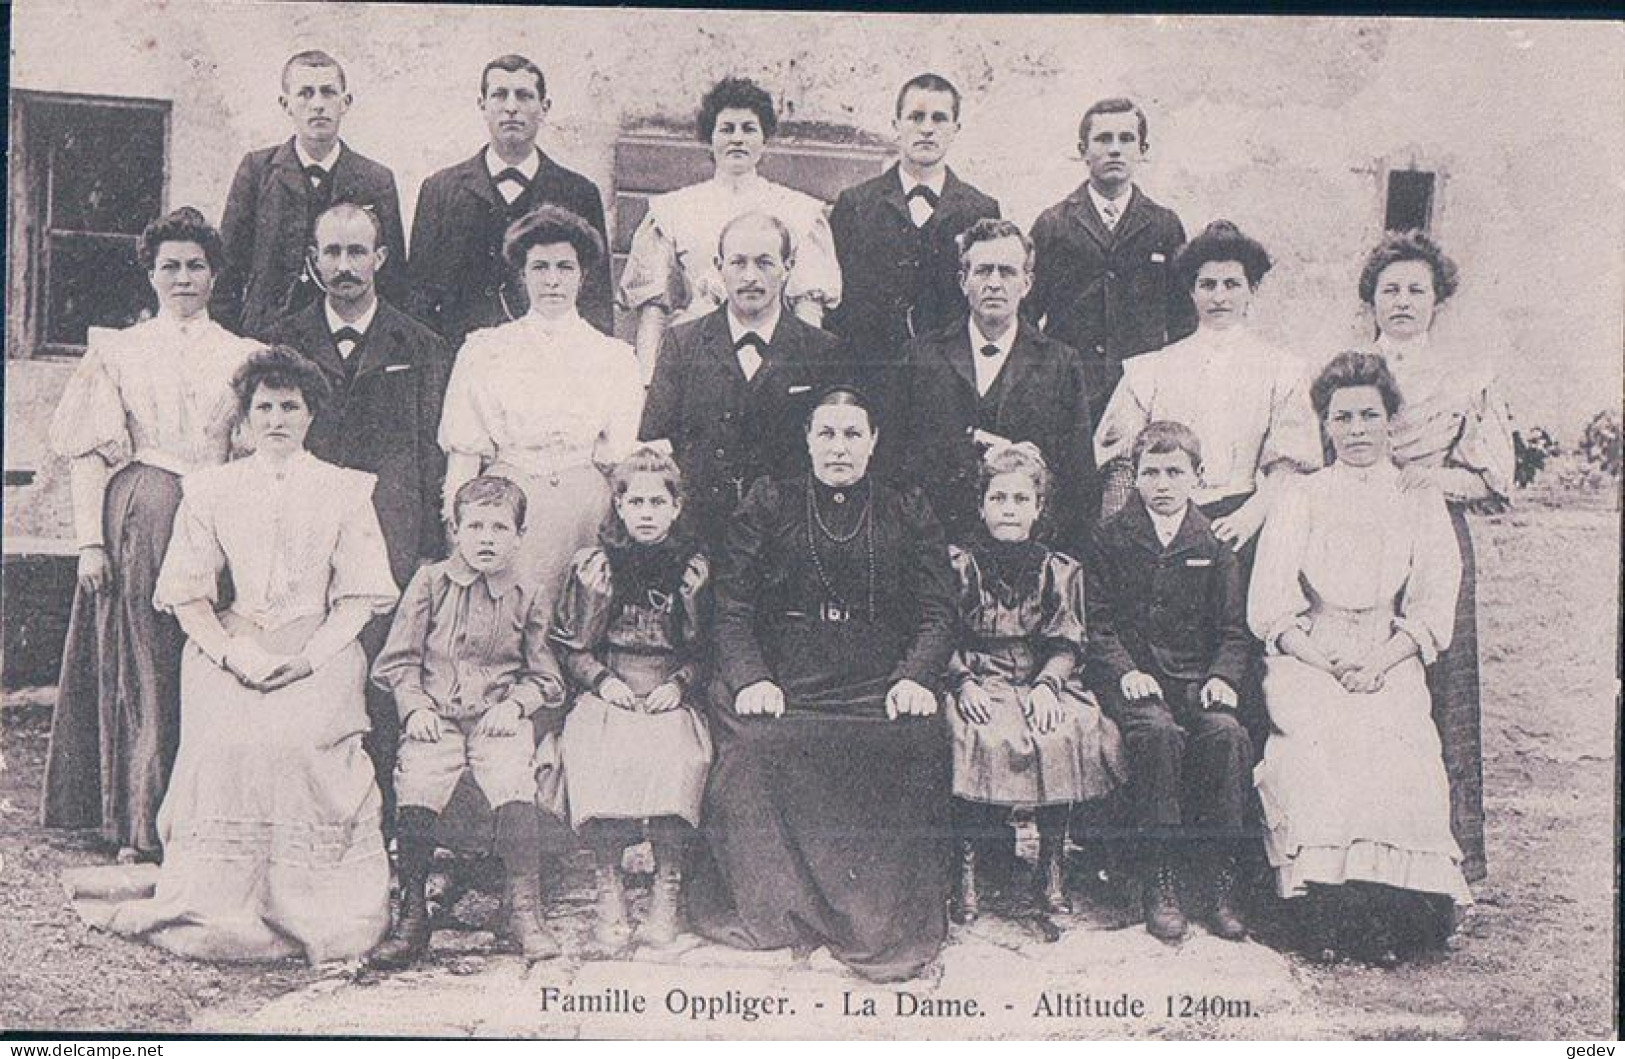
(1353, 593)
(146, 405)
(545, 400)
(1245, 399)
(272, 845)
(671, 272)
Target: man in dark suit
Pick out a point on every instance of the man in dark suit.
(732, 389)
(1103, 281)
(894, 236)
(277, 193)
(459, 279)
(388, 373)
(991, 380)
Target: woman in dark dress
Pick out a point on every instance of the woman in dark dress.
(826, 812)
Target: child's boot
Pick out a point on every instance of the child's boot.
(409, 940)
(664, 921)
(519, 846)
(1049, 882)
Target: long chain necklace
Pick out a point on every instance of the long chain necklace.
(865, 522)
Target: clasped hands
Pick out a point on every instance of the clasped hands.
(1043, 708)
(905, 699)
(504, 719)
(1358, 675)
(666, 697)
(1216, 694)
(256, 668)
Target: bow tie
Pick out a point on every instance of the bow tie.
(920, 191)
(513, 176)
(750, 338)
(346, 334)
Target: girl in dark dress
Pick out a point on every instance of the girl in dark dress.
(634, 750)
(825, 814)
(1025, 730)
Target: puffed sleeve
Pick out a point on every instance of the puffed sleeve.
(1485, 443)
(399, 666)
(193, 563)
(817, 274)
(1275, 600)
(968, 578)
(89, 419)
(580, 616)
(1427, 605)
(360, 561)
(929, 579)
(1063, 629)
(1293, 437)
(651, 275)
(466, 416)
(623, 404)
(1126, 414)
(694, 618)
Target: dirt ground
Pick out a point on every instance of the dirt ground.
(1535, 959)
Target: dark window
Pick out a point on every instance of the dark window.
(88, 173)
(1410, 200)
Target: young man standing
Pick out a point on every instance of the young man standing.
(894, 238)
(1103, 279)
(278, 192)
(459, 279)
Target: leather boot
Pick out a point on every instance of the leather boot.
(1049, 882)
(967, 905)
(409, 939)
(662, 925)
(1163, 919)
(521, 893)
(1223, 919)
(611, 931)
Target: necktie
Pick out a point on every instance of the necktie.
(512, 183)
(1109, 214)
(922, 203)
(318, 180)
(749, 349)
(346, 339)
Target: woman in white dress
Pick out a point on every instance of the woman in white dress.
(671, 272)
(271, 836)
(1353, 593)
(546, 400)
(146, 405)
(1247, 400)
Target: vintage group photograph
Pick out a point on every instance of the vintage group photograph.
(547, 522)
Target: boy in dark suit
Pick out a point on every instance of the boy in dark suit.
(1167, 627)
(894, 237)
(1104, 282)
(459, 279)
(277, 194)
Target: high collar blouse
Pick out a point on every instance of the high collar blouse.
(672, 259)
(1452, 413)
(296, 537)
(1247, 401)
(1353, 539)
(158, 392)
(543, 395)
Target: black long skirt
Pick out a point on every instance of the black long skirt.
(829, 825)
(116, 725)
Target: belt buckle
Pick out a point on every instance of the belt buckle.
(831, 611)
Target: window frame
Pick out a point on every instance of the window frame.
(28, 212)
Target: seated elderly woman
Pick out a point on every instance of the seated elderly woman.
(826, 812)
(271, 824)
(1353, 593)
